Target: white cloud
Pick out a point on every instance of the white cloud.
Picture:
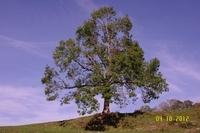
(24, 105)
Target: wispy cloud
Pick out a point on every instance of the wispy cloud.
(180, 70)
(87, 5)
(23, 105)
(30, 47)
(175, 87)
(26, 105)
(179, 63)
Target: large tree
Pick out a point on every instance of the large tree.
(103, 60)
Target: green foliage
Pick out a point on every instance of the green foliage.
(103, 60)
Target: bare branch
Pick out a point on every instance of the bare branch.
(83, 67)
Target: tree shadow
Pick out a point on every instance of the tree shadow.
(99, 121)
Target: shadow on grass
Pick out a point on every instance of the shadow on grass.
(99, 121)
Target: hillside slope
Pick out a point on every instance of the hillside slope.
(183, 121)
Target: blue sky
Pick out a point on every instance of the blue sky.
(31, 29)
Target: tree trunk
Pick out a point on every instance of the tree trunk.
(106, 106)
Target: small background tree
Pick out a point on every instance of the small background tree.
(103, 60)
(174, 104)
(145, 108)
(188, 104)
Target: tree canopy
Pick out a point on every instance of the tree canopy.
(103, 60)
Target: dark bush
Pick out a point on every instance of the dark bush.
(95, 124)
(98, 122)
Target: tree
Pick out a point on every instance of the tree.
(163, 106)
(103, 60)
(175, 104)
(146, 108)
(188, 104)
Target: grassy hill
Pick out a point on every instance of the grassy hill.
(149, 122)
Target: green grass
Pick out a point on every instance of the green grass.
(144, 123)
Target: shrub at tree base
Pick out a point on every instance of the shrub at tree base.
(99, 121)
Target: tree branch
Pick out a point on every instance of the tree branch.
(99, 84)
(81, 86)
(83, 67)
